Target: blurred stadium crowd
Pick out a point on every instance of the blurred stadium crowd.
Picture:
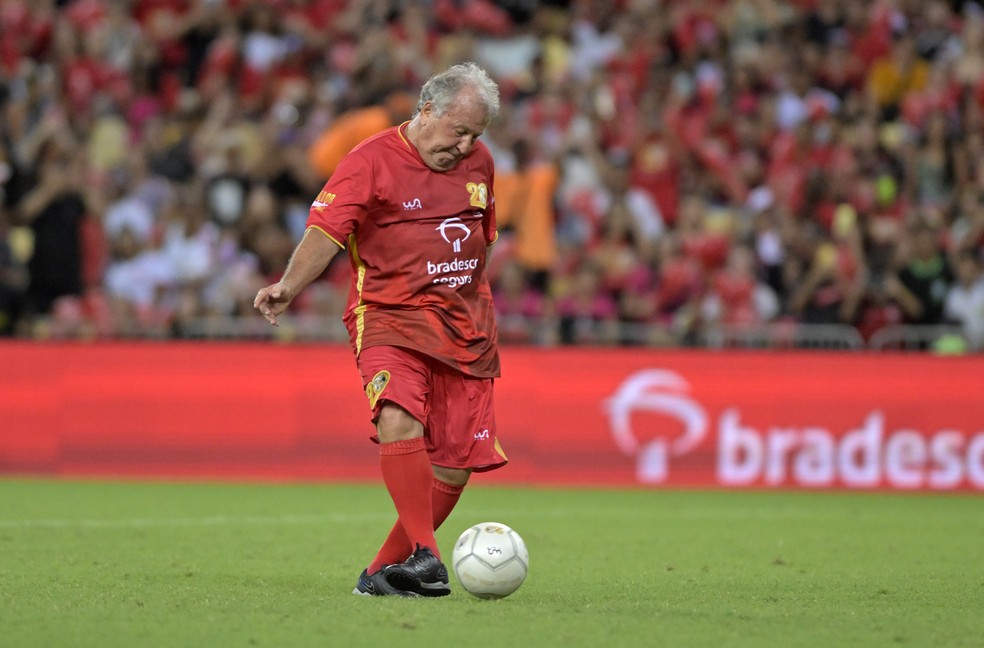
(664, 168)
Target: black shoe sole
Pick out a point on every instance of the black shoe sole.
(367, 586)
(408, 583)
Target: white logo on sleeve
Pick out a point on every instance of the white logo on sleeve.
(659, 391)
(409, 205)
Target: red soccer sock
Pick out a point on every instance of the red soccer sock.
(397, 547)
(445, 497)
(409, 479)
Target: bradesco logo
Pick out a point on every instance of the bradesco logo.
(454, 225)
(866, 455)
(458, 272)
(662, 392)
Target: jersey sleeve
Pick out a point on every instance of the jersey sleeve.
(344, 201)
(488, 223)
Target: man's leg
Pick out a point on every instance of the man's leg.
(423, 572)
(448, 486)
(407, 474)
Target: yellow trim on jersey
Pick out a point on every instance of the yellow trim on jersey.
(360, 310)
(495, 237)
(330, 237)
(360, 325)
(399, 131)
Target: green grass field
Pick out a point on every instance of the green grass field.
(150, 564)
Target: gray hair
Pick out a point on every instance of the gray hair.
(442, 89)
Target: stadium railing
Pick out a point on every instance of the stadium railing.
(777, 335)
(783, 335)
(298, 327)
(918, 338)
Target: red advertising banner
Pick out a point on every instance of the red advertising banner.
(605, 417)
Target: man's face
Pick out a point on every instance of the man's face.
(444, 140)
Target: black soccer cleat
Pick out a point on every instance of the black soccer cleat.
(422, 573)
(376, 585)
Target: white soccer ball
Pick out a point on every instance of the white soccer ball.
(490, 560)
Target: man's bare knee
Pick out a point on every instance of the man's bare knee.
(452, 476)
(396, 424)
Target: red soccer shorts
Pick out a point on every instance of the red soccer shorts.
(455, 409)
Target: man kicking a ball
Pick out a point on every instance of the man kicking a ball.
(414, 209)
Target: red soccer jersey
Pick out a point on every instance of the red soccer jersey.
(417, 243)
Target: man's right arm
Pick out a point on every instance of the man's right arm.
(308, 261)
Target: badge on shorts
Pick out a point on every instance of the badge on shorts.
(376, 386)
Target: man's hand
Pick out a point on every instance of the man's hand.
(309, 259)
(273, 300)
